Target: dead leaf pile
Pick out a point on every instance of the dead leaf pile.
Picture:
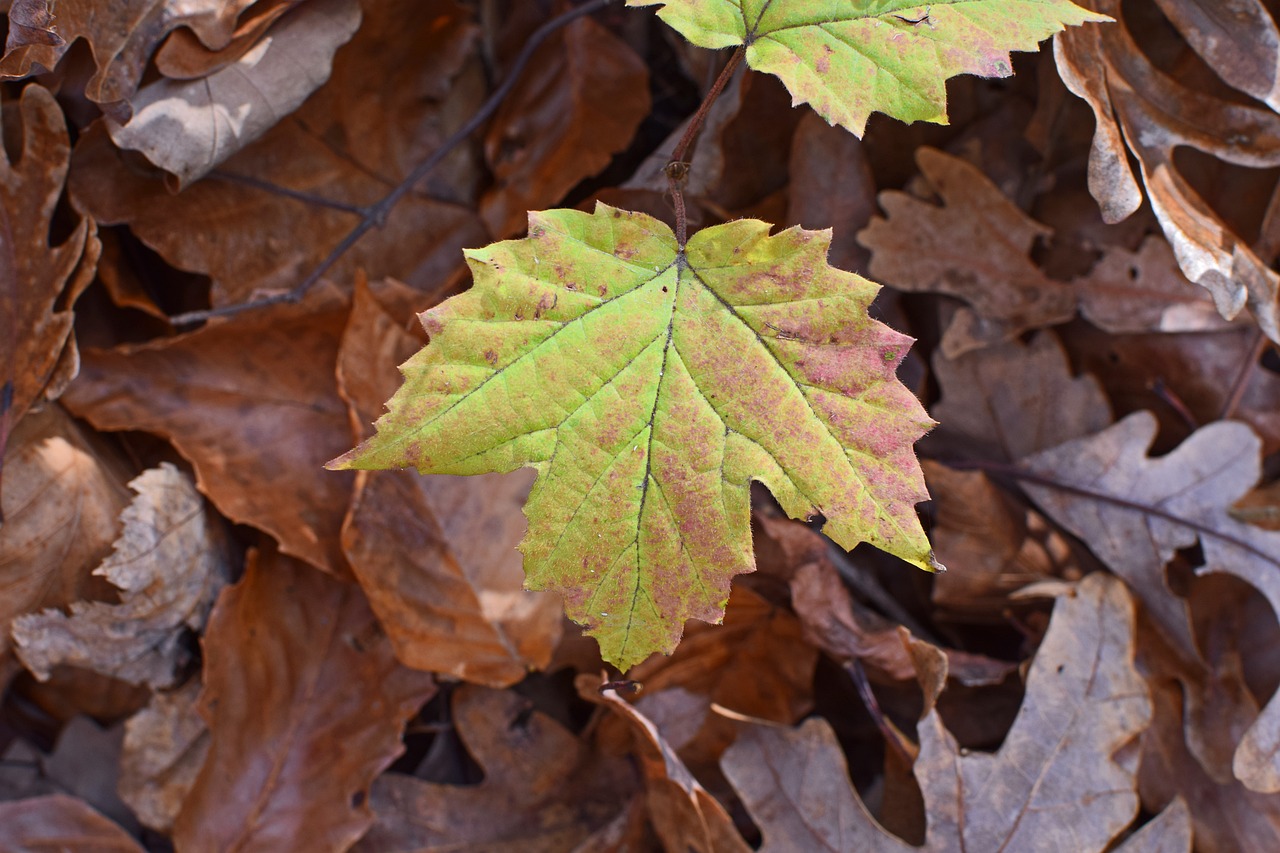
(210, 642)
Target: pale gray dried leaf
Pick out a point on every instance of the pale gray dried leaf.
(188, 127)
(1055, 782)
(169, 564)
(1135, 512)
(1010, 400)
(1144, 291)
(165, 745)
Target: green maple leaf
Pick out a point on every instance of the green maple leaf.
(649, 386)
(850, 58)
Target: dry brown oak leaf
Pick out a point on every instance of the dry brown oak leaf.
(389, 102)
(544, 789)
(1055, 782)
(974, 246)
(436, 555)
(252, 403)
(1166, 504)
(38, 282)
(169, 564)
(62, 511)
(1142, 111)
(305, 705)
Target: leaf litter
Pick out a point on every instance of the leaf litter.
(328, 661)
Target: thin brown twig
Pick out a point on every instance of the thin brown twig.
(376, 214)
(677, 169)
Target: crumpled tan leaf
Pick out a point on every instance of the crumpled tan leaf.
(974, 246)
(121, 37)
(544, 790)
(188, 127)
(1140, 110)
(165, 745)
(1144, 291)
(1137, 532)
(1055, 783)
(305, 705)
(169, 564)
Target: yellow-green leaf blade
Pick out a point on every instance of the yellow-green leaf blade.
(850, 58)
(649, 387)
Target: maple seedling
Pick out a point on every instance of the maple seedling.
(649, 378)
(649, 384)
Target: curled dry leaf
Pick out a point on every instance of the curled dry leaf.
(1135, 512)
(165, 745)
(1055, 782)
(685, 816)
(578, 104)
(385, 106)
(121, 37)
(1141, 111)
(252, 404)
(1013, 399)
(188, 127)
(544, 789)
(60, 823)
(305, 705)
(437, 555)
(169, 564)
(974, 246)
(38, 282)
(61, 516)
